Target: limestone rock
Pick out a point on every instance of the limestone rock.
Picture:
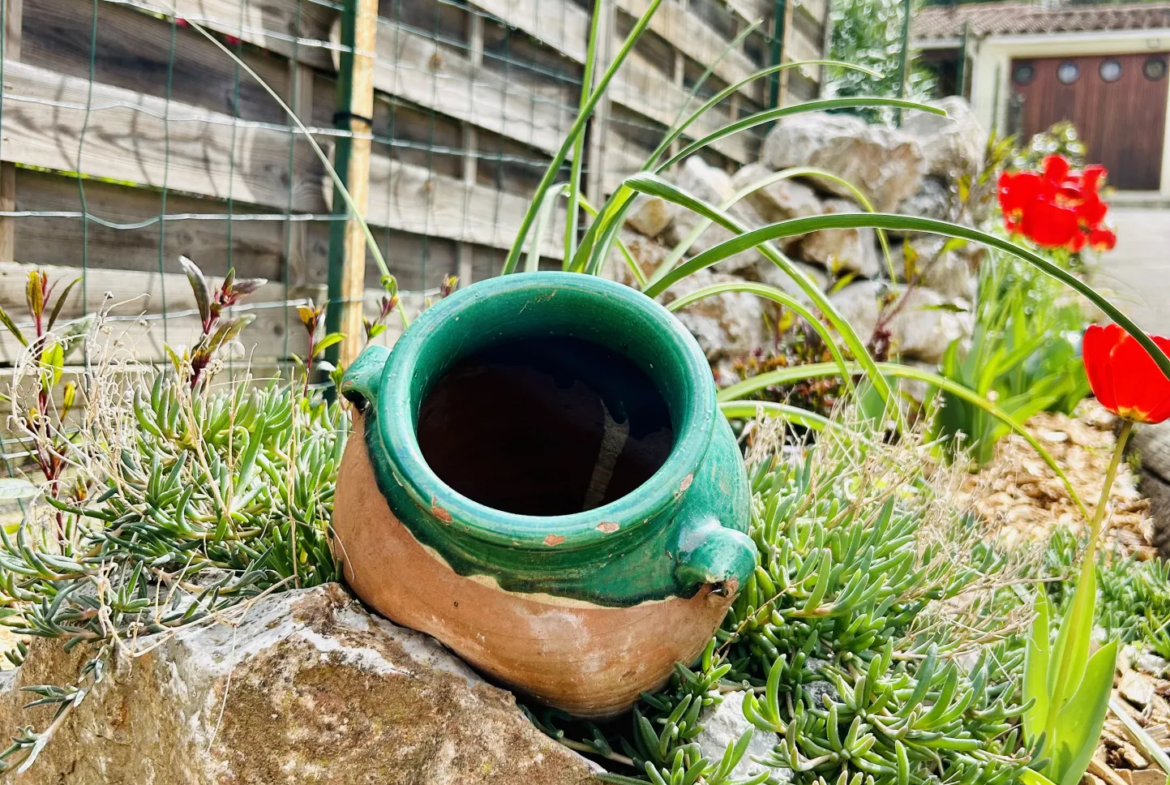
(780, 200)
(648, 254)
(305, 687)
(933, 200)
(728, 325)
(650, 215)
(843, 250)
(883, 162)
(1152, 445)
(724, 725)
(953, 145)
(923, 323)
(713, 186)
(860, 304)
(949, 272)
(767, 272)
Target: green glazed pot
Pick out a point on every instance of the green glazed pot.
(596, 480)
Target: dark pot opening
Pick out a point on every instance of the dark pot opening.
(544, 426)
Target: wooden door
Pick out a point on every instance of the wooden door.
(1116, 102)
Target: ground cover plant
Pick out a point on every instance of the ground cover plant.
(881, 640)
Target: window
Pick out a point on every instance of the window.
(1023, 74)
(1110, 70)
(1154, 68)
(1068, 73)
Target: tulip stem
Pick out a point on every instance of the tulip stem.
(1103, 502)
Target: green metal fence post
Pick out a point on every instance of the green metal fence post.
(780, 10)
(355, 109)
(904, 58)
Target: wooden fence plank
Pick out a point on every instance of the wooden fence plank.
(413, 200)
(133, 294)
(419, 69)
(136, 51)
(270, 24)
(255, 247)
(691, 36)
(129, 138)
(642, 88)
(560, 24)
(197, 152)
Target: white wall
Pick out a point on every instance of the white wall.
(992, 64)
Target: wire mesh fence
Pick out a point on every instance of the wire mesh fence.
(130, 138)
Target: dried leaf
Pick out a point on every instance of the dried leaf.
(12, 328)
(61, 303)
(199, 287)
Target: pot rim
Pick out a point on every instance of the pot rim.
(691, 401)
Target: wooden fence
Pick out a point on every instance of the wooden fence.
(128, 138)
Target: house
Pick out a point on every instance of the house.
(1025, 67)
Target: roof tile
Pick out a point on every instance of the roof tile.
(1008, 18)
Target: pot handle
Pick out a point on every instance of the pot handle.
(709, 553)
(363, 377)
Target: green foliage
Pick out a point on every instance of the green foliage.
(849, 641)
(1060, 139)
(869, 33)
(1024, 354)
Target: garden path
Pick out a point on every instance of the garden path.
(1138, 271)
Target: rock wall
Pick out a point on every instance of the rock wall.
(913, 170)
(302, 687)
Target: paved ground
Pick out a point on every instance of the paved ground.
(1137, 272)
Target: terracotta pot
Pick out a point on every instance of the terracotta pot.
(539, 477)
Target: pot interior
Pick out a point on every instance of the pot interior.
(544, 426)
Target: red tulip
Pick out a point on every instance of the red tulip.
(1056, 207)
(1123, 375)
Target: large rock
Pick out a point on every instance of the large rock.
(650, 215)
(933, 200)
(953, 145)
(767, 272)
(861, 304)
(842, 251)
(306, 686)
(948, 271)
(778, 201)
(1152, 445)
(647, 254)
(883, 162)
(922, 323)
(726, 326)
(713, 186)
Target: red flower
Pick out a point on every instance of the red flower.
(1056, 208)
(1123, 375)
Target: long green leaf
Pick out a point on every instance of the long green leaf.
(574, 188)
(1071, 651)
(1036, 670)
(777, 296)
(904, 223)
(1080, 722)
(743, 410)
(685, 244)
(577, 129)
(771, 115)
(813, 370)
(656, 186)
(635, 270)
(678, 128)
